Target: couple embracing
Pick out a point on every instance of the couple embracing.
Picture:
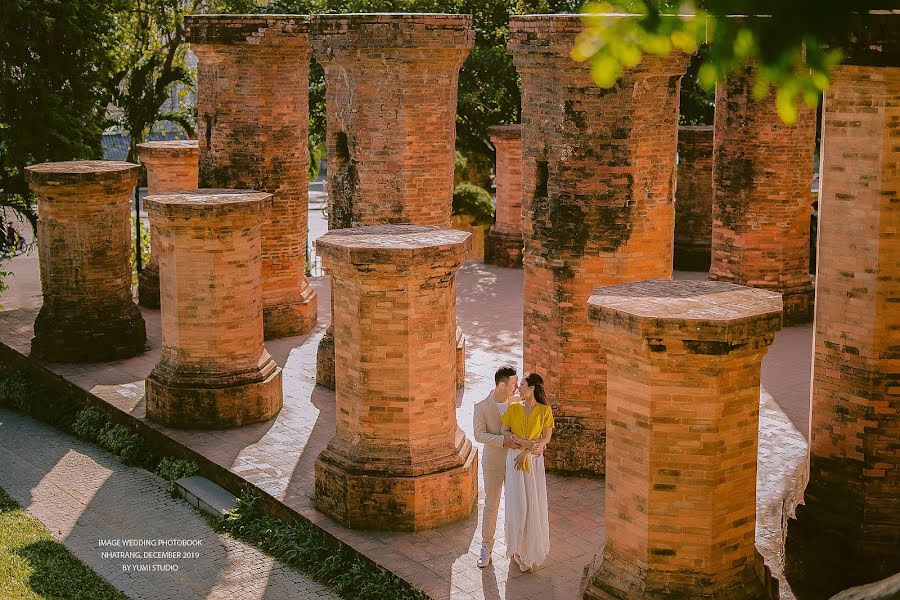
(515, 430)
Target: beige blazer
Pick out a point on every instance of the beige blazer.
(487, 426)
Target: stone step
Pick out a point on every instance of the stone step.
(205, 495)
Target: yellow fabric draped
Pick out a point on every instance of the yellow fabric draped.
(528, 427)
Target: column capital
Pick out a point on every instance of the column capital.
(247, 30)
(196, 206)
(168, 150)
(504, 133)
(77, 173)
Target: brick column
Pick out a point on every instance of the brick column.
(214, 371)
(762, 170)
(850, 522)
(253, 122)
(398, 459)
(597, 210)
(503, 244)
(391, 82)
(683, 368)
(693, 198)
(84, 246)
(171, 167)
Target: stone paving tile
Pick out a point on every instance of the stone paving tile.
(278, 456)
(107, 500)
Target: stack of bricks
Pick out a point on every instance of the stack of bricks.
(503, 245)
(398, 460)
(253, 122)
(214, 371)
(683, 365)
(693, 198)
(762, 170)
(84, 247)
(850, 520)
(597, 210)
(391, 84)
(171, 167)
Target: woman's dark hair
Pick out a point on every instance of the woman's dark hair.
(537, 382)
(503, 373)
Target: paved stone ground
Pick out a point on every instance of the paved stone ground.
(83, 494)
(278, 456)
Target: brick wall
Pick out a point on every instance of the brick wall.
(693, 198)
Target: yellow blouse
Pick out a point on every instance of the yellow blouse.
(528, 427)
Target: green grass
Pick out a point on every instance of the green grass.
(34, 565)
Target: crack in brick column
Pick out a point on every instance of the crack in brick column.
(253, 123)
(398, 460)
(503, 243)
(597, 210)
(171, 167)
(683, 369)
(84, 244)
(391, 87)
(693, 198)
(762, 169)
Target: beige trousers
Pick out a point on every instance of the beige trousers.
(493, 485)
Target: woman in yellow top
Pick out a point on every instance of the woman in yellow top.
(527, 521)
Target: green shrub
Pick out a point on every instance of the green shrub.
(173, 469)
(130, 447)
(469, 199)
(15, 391)
(19, 393)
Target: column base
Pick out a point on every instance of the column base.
(503, 249)
(288, 317)
(88, 335)
(460, 359)
(692, 256)
(325, 360)
(612, 577)
(369, 497)
(576, 448)
(148, 286)
(187, 405)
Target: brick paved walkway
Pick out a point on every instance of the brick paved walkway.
(83, 494)
(278, 456)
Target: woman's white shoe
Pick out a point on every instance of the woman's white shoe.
(485, 558)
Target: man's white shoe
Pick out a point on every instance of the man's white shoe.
(485, 558)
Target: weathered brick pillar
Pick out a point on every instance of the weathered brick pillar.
(391, 82)
(597, 210)
(253, 123)
(84, 246)
(762, 170)
(503, 244)
(683, 368)
(850, 521)
(214, 371)
(693, 198)
(398, 459)
(171, 167)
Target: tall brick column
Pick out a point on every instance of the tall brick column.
(391, 82)
(597, 210)
(253, 123)
(214, 371)
(693, 198)
(503, 244)
(171, 167)
(683, 368)
(762, 170)
(850, 521)
(84, 246)
(398, 459)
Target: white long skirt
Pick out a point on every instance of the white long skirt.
(527, 521)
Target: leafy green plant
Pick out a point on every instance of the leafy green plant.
(173, 469)
(15, 391)
(131, 448)
(469, 199)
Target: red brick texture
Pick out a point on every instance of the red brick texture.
(253, 122)
(852, 501)
(693, 198)
(683, 367)
(762, 170)
(597, 210)
(503, 245)
(391, 86)
(398, 459)
(84, 248)
(171, 167)
(214, 371)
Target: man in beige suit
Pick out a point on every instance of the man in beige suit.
(487, 426)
